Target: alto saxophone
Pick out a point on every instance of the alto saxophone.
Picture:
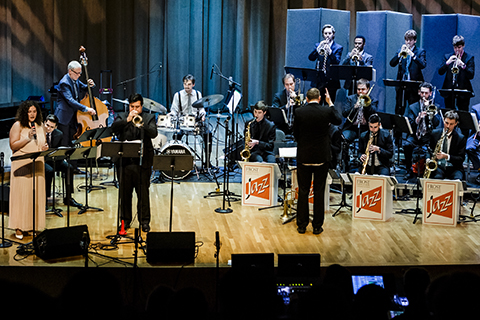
(431, 164)
(367, 153)
(245, 153)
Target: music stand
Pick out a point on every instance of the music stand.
(118, 149)
(351, 73)
(85, 153)
(93, 135)
(344, 178)
(397, 123)
(402, 85)
(454, 94)
(173, 163)
(278, 116)
(306, 74)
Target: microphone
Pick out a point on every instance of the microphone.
(211, 73)
(34, 130)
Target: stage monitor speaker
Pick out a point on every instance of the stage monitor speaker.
(263, 262)
(62, 242)
(171, 247)
(299, 265)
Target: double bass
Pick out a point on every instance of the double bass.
(84, 119)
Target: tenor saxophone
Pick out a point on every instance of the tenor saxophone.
(367, 153)
(431, 164)
(245, 153)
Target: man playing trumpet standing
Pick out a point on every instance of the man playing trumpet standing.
(452, 152)
(377, 145)
(458, 68)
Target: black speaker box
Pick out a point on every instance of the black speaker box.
(62, 242)
(171, 247)
(299, 265)
(263, 262)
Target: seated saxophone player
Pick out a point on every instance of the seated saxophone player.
(376, 144)
(262, 135)
(357, 109)
(423, 117)
(449, 153)
(285, 100)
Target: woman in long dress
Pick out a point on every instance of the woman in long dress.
(27, 136)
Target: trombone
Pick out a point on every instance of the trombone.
(363, 100)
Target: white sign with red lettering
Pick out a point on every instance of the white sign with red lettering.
(372, 197)
(259, 184)
(441, 202)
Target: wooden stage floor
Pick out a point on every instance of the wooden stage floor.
(397, 242)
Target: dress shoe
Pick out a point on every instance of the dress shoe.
(301, 230)
(145, 227)
(317, 230)
(73, 203)
(19, 234)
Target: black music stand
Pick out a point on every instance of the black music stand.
(33, 156)
(344, 178)
(278, 116)
(396, 123)
(402, 85)
(85, 153)
(351, 74)
(453, 94)
(56, 155)
(119, 149)
(93, 135)
(173, 163)
(4, 244)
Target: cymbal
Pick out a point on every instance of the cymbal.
(208, 101)
(121, 101)
(153, 106)
(218, 116)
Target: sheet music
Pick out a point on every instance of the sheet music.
(284, 115)
(409, 126)
(237, 96)
(475, 121)
(287, 152)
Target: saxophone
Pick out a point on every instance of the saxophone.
(431, 164)
(367, 153)
(245, 153)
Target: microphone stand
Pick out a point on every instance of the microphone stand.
(4, 244)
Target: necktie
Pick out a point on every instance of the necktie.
(407, 67)
(75, 89)
(48, 139)
(189, 103)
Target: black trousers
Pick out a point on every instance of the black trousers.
(135, 178)
(60, 166)
(304, 177)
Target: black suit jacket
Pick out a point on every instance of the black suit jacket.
(349, 105)
(457, 147)
(264, 132)
(332, 59)
(126, 131)
(280, 99)
(384, 141)
(418, 63)
(311, 130)
(464, 75)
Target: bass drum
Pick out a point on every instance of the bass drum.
(176, 148)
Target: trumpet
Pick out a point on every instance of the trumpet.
(455, 69)
(355, 55)
(137, 121)
(404, 52)
(367, 153)
(322, 48)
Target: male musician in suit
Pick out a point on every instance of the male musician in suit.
(134, 176)
(285, 100)
(380, 150)
(70, 92)
(54, 140)
(465, 67)
(357, 114)
(262, 133)
(473, 145)
(357, 57)
(182, 106)
(422, 121)
(452, 152)
(326, 53)
(409, 68)
(311, 131)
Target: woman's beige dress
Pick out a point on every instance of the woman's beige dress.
(21, 186)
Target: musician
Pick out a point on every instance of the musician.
(326, 53)
(182, 106)
(357, 113)
(473, 146)
(450, 158)
(133, 176)
(422, 121)
(311, 131)
(285, 100)
(262, 133)
(358, 56)
(380, 150)
(54, 139)
(70, 92)
(465, 65)
(409, 68)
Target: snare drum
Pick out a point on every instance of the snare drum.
(176, 148)
(187, 123)
(166, 123)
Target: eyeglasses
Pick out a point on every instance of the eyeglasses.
(77, 73)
